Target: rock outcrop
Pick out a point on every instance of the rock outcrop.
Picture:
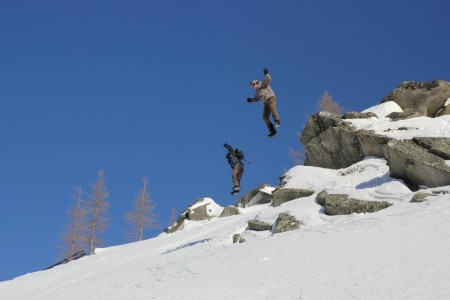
(286, 222)
(330, 141)
(426, 98)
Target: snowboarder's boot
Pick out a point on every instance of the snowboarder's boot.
(272, 130)
(235, 190)
(277, 124)
(272, 133)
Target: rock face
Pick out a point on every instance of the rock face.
(284, 195)
(336, 144)
(341, 204)
(426, 98)
(286, 222)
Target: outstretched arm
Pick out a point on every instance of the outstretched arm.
(266, 81)
(230, 149)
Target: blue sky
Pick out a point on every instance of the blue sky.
(155, 88)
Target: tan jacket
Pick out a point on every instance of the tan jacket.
(264, 92)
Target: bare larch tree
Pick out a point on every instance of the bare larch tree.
(97, 211)
(141, 216)
(74, 237)
(173, 217)
(326, 103)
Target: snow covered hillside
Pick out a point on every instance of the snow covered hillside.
(400, 252)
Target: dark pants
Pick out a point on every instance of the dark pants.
(270, 107)
(238, 170)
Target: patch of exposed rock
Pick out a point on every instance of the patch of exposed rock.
(420, 197)
(237, 238)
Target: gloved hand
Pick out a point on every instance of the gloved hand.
(249, 99)
(265, 70)
(225, 145)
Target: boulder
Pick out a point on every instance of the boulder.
(256, 196)
(287, 194)
(341, 204)
(202, 209)
(318, 123)
(229, 211)
(286, 222)
(258, 225)
(415, 165)
(426, 98)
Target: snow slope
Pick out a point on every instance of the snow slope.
(398, 253)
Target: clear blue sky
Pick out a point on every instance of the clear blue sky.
(155, 88)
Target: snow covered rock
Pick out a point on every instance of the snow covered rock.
(202, 209)
(260, 195)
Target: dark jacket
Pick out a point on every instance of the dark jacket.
(231, 156)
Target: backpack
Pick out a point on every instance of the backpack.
(239, 153)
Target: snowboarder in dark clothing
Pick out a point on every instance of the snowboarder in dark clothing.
(234, 157)
(264, 92)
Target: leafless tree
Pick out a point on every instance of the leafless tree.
(173, 217)
(326, 103)
(141, 216)
(296, 156)
(74, 238)
(97, 211)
